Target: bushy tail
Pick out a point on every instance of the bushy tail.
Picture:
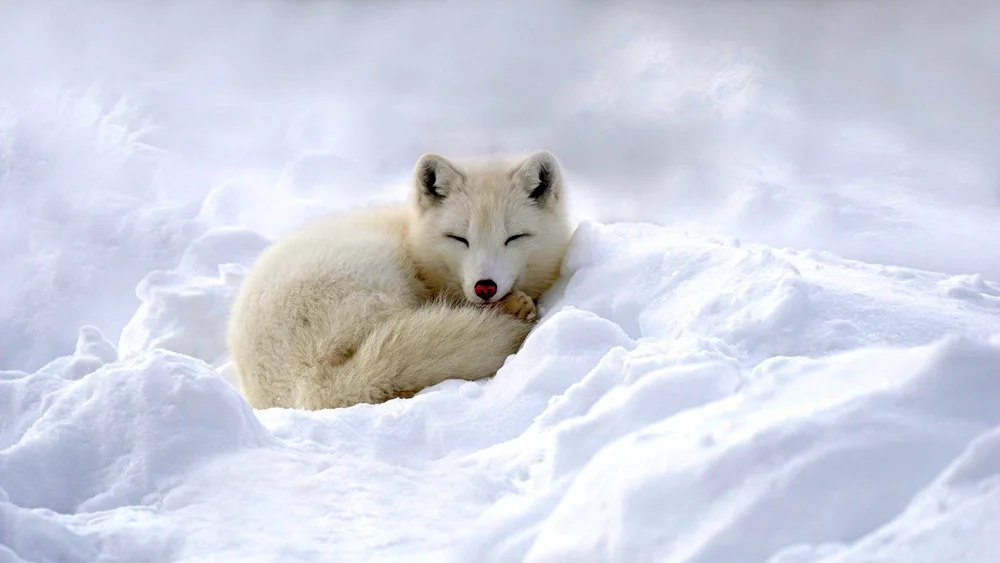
(415, 349)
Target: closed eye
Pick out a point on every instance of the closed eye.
(459, 239)
(515, 237)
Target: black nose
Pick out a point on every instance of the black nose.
(486, 289)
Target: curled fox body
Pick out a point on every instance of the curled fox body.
(379, 303)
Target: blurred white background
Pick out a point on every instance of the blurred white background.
(869, 129)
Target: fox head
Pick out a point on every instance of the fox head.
(484, 229)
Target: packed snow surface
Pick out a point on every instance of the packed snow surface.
(776, 338)
(682, 399)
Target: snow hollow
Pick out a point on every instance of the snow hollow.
(776, 337)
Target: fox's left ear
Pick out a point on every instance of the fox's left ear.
(541, 176)
(435, 179)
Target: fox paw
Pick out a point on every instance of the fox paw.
(519, 305)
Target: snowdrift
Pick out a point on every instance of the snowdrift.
(682, 399)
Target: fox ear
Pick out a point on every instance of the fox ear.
(541, 176)
(434, 179)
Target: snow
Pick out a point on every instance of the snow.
(683, 399)
(776, 337)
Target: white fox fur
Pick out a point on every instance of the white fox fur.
(380, 303)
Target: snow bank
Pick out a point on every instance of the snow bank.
(82, 461)
(682, 399)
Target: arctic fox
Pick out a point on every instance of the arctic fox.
(380, 303)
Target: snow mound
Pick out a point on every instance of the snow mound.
(957, 518)
(782, 469)
(118, 435)
(682, 399)
(185, 309)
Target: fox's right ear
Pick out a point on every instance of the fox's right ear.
(541, 177)
(434, 179)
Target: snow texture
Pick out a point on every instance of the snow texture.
(776, 338)
(683, 399)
